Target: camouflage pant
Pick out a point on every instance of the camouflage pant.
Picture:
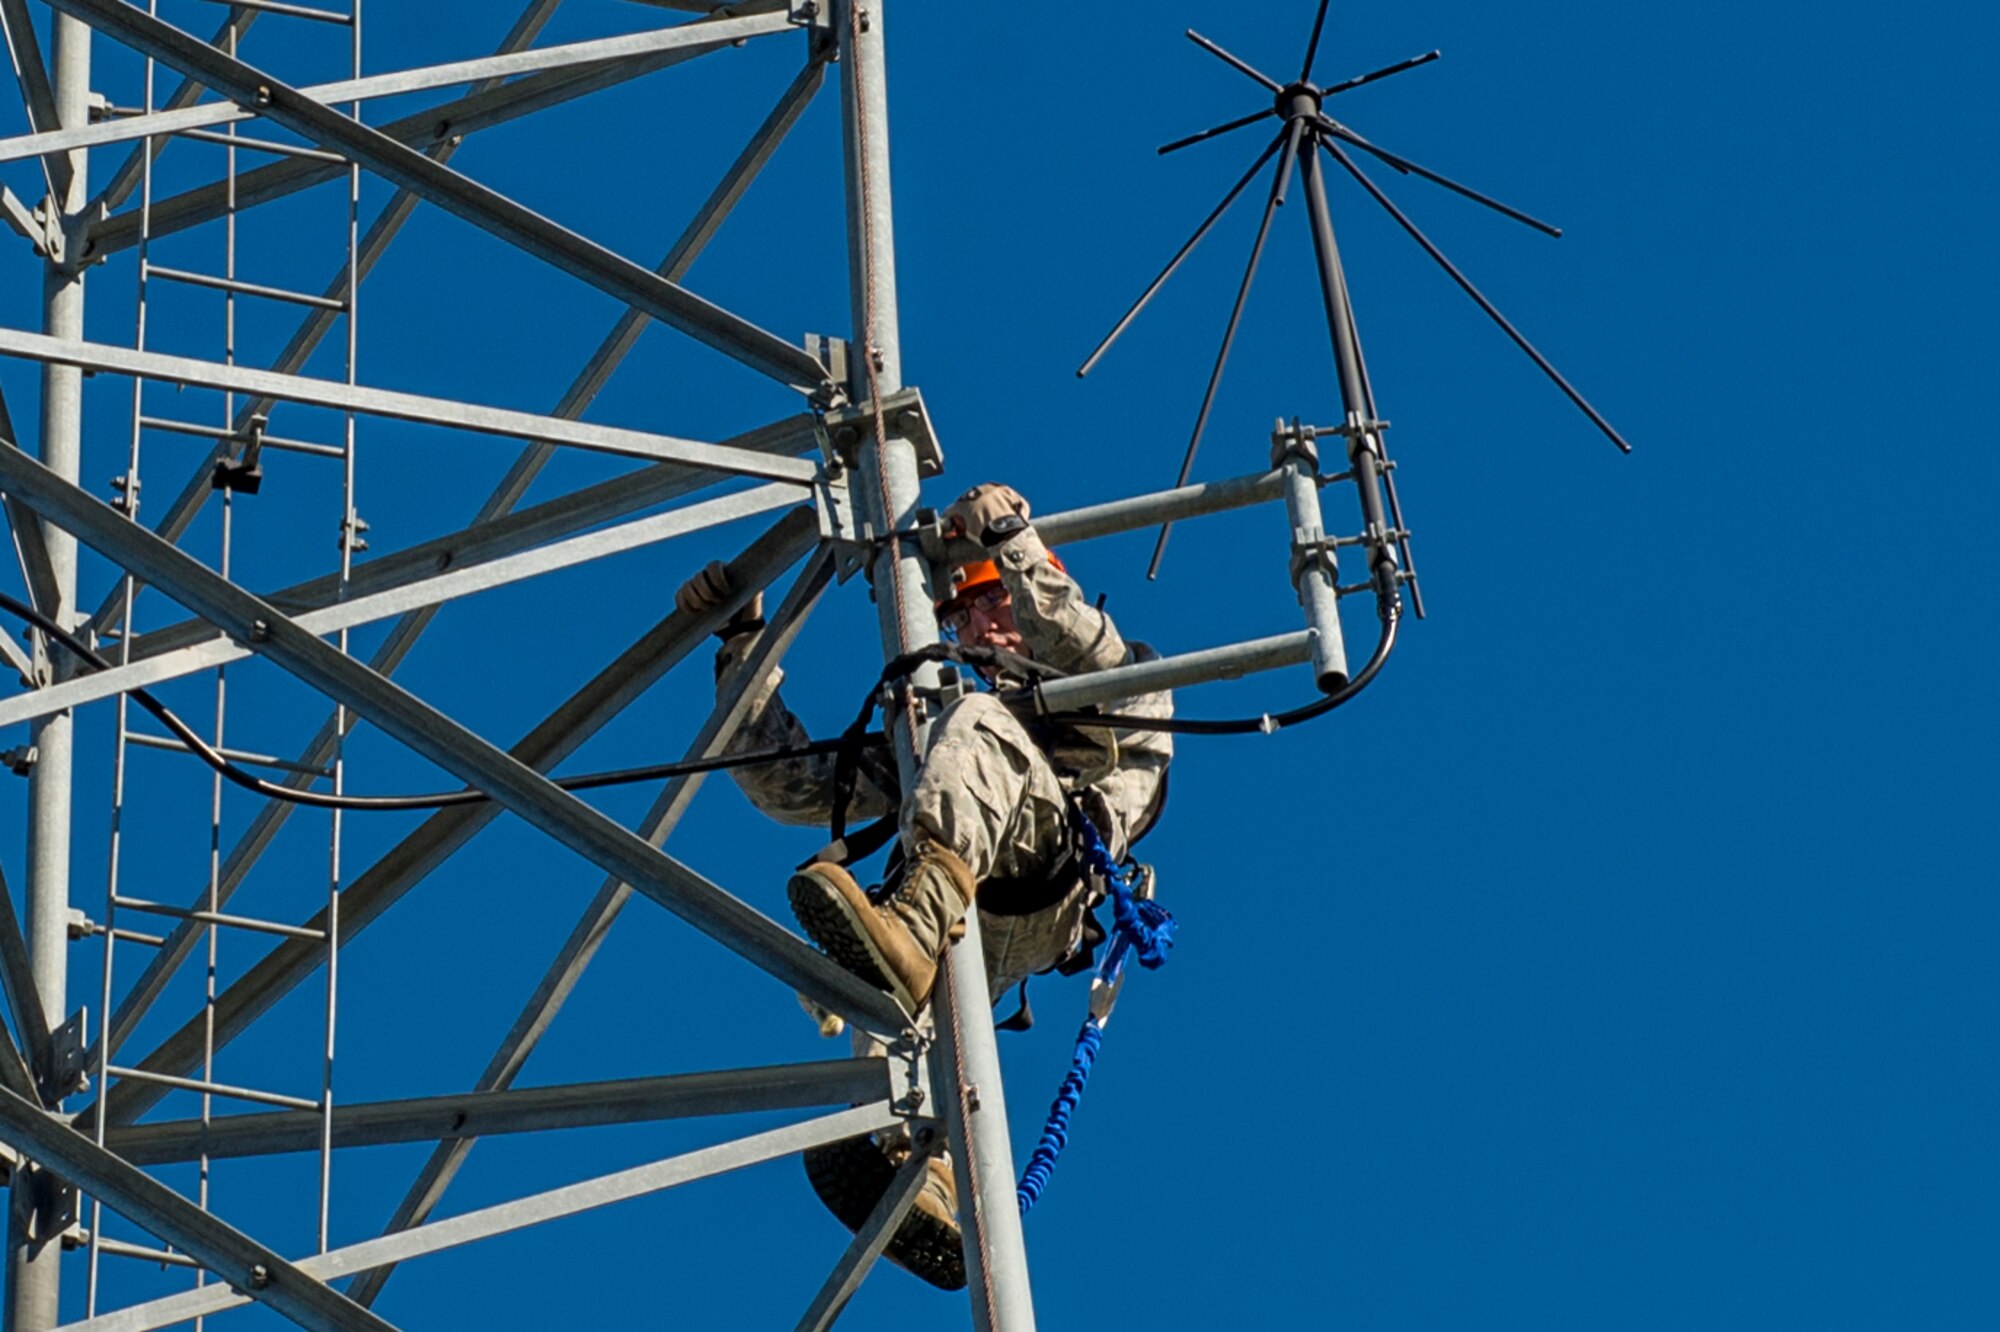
(988, 793)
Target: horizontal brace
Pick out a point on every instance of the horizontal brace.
(524, 529)
(511, 1216)
(234, 1257)
(401, 406)
(409, 596)
(1140, 511)
(1192, 668)
(524, 1110)
(723, 33)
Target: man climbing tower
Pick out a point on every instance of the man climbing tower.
(993, 819)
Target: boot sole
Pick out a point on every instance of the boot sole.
(830, 921)
(850, 1178)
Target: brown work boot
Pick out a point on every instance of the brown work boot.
(850, 1178)
(894, 946)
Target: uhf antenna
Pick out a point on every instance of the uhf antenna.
(1304, 131)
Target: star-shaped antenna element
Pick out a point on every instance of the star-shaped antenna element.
(1306, 130)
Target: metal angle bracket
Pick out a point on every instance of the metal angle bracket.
(56, 1224)
(910, 1072)
(904, 417)
(816, 16)
(56, 236)
(843, 428)
(843, 526)
(68, 1045)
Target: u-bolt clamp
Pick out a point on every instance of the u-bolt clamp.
(1294, 441)
(1363, 435)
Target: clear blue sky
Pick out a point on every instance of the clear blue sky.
(1620, 960)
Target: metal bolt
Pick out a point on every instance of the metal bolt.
(259, 631)
(260, 1276)
(972, 1099)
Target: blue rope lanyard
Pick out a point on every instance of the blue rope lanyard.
(1138, 926)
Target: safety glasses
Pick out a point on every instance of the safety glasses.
(986, 602)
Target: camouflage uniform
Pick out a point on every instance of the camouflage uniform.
(988, 790)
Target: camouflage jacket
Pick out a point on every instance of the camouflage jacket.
(1119, 772)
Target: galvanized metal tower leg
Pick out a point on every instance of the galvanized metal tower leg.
(966, 1059)
(34, 1248)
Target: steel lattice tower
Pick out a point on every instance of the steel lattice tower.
(841, 481)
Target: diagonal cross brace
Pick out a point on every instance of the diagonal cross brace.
(792, 437)
(504, 1218)
(634, 46)
(37, 93)
(242, 1262)
(397, 871)
(734, 697)
(17, 979)
(487, 209)
(383, 603)
(474, 760)
(43, 589)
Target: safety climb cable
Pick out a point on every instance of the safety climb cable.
(1140, 927)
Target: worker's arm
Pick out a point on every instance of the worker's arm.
(1057, 621)
(794, 790)
(1060, 626)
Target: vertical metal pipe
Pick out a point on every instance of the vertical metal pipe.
(1315, 574)
(1364, 443)
(34, 1277)
(887, 480)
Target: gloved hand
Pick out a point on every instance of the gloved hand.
(976, 512)
(710, 589)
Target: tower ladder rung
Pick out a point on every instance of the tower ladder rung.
(290, 11)
(169, 742)
(263, 145)
(216, 1089)
(244, 288)
(219, 918)
(216, 432)
(81, 1238)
